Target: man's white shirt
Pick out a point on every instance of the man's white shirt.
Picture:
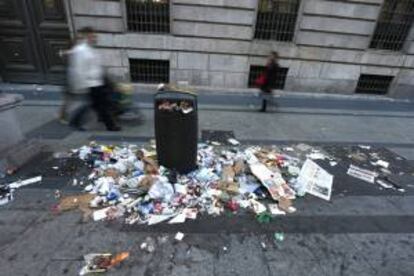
(85, 69)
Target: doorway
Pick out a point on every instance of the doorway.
(32, 33)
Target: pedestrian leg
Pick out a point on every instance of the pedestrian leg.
(264, 105)
(103, 108)
(77, 118)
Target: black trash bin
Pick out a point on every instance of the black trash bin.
(176, 130)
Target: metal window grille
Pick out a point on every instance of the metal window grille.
(393, 25)
(256, 70)
(148, 16)
(149, 71)
(276, 19)
(373, 84)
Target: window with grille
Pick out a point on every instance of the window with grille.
(148, 16)
(149, 71)
(393, 25)
(276, 19)
(373, 84)
(256, 70)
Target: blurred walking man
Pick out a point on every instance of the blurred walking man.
(87, 76)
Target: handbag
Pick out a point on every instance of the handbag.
(261, 80)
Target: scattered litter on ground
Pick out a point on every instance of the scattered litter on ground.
(126, 183)
(148, 245)
(316, 156)
(233, 141)
(358, 157)
(362, 174)
(279, 236)
(6, 194)
(384, 184)
(99, 263)
(333, 163)
(382, 163)
(264, 217)
(129, 179)
(179, 236)
(275, 210)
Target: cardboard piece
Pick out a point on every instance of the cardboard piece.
(273, 181)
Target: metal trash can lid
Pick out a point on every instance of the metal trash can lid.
(175, 95)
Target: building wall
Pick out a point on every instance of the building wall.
(211, 44)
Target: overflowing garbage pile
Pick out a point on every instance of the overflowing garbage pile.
(127, 183)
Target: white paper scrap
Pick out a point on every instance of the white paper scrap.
(382, 163)
(384, 184)
(316, 156)
(180, 218)
(258, 207)
(233, 141)
(5, 200)
(100, 214)
(316, 180)
(25, 182)
(362, 174)
(364, 147)
(187, 110)
(154, 219)
(274, 210)
(190, 213)
(180, 188)
(179, 236)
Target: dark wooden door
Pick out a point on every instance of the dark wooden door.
(32, 32)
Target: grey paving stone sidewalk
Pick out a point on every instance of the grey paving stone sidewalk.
(33, 241)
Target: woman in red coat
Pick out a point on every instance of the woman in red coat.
(268, 79)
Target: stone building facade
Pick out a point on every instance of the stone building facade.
(334, 46)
